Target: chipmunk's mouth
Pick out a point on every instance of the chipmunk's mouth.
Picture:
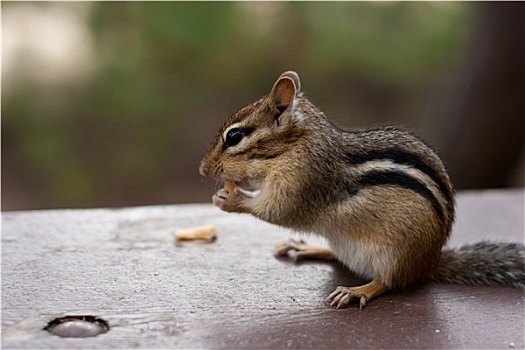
(243, 187)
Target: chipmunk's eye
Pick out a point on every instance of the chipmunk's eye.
(233, 137)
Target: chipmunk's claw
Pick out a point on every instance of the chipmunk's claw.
(342, 296)
(282, 248)
(303, 250)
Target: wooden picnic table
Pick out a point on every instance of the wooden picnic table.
(122, 266)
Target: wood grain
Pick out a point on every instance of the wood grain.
(122, 265)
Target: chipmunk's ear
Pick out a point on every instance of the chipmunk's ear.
(284, 90)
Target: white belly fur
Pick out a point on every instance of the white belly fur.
(357, 257)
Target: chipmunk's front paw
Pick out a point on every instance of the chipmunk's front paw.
(220, 197)
(229, 202)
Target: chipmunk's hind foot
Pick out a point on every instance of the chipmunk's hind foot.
(303, 250)
(342, 296)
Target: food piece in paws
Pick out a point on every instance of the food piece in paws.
(229, 186)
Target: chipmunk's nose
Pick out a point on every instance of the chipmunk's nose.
(202, 170)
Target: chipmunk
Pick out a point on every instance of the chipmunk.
(380, 196)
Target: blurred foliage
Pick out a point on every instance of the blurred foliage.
(167, 74)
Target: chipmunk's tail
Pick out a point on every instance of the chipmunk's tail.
(483, 263)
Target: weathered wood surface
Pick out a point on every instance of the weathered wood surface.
(123, 266)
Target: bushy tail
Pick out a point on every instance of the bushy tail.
(483, 263)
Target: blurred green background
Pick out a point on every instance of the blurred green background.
(114, 103)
